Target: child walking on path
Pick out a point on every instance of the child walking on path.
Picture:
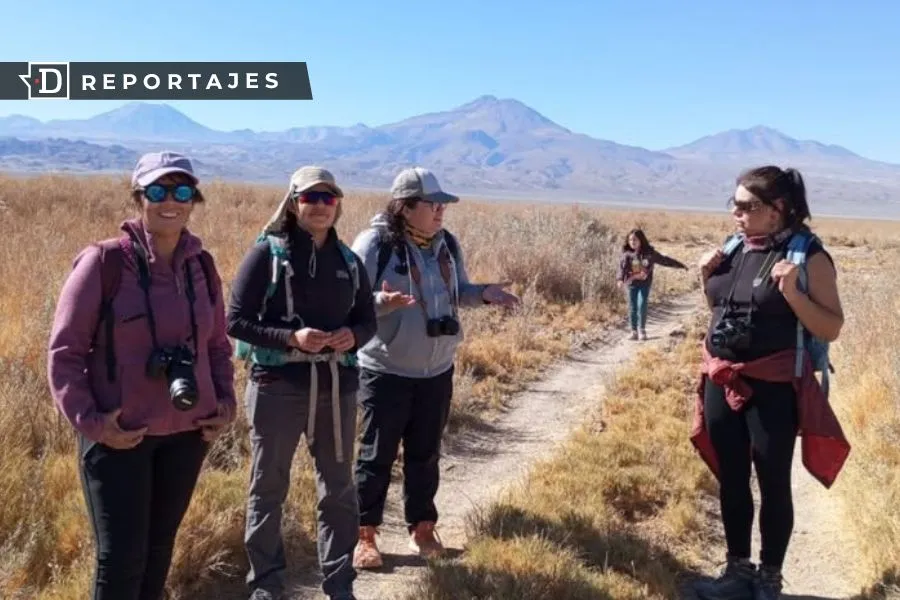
(636, 273)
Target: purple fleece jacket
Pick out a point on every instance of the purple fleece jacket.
(77, 376)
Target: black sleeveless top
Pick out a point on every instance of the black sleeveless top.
(773, 325)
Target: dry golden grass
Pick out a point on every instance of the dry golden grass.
(561, 260)
(868, 401)
(564, 272)
(614, 515)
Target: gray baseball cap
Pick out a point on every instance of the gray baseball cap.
(306, 178)
(153, 165)
(417, 182)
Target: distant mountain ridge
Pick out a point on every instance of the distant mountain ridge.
(758, 140)
(486, 146)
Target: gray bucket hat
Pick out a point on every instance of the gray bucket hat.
(153, 165)
(303, 179)
(417, 182)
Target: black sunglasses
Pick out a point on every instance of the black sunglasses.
(745, 206)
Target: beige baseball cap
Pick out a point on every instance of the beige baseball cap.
(305, 178)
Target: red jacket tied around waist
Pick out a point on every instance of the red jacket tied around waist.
(824, 446)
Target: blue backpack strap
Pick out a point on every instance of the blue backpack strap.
(731, 244)
(797, 253)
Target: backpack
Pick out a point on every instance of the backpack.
(281, 264)
(112, 262)
(815, 347)
(386, 248)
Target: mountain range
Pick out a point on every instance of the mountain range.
(487, 147)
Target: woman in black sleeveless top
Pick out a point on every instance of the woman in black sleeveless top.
(755, 305)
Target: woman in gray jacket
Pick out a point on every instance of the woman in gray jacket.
(406, 370)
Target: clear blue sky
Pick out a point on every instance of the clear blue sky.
(652, 73)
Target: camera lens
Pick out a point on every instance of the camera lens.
(184, 394)
(182, 383)
(450, 326)
(433, 327)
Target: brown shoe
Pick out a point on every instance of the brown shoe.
(366, 554)
(425, 541)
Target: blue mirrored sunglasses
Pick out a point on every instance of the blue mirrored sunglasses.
(183, 193)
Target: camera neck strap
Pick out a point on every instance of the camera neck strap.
(446, 275)
(143, 265)
(764, 269)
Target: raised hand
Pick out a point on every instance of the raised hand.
(709, 262)
(395, 299)
(495, 294)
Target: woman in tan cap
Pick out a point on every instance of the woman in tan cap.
(299, 309)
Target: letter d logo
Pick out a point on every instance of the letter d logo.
(47, 81)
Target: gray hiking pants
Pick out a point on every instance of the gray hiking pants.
(277, 413)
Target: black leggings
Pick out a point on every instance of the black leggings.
(136, 500)
(766, 431)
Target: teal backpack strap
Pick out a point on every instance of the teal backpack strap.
(278, 252)
(349, 359)
(281, 266)
(352, 267)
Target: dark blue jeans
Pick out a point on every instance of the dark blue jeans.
(637, 306)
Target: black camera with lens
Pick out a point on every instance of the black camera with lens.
(177, 366)
(732, 333)
(443, 326)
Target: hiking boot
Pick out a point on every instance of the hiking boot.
(735, 583)
(768, 584)
(634, 334)
(425, 541)
(366, 554)
(643, 336)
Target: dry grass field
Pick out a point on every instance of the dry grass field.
(561, 260)
(613, 516)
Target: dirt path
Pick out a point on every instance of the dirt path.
(476, 465)
(820, 559)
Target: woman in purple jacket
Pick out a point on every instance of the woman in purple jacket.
(140, 365)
